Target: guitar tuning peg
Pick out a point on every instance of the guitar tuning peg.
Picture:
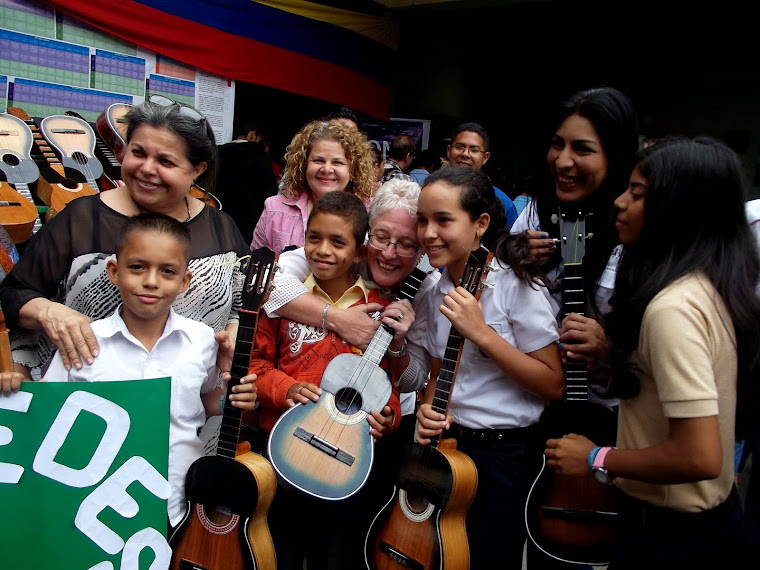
(555, 218)
(485, 285)
(590, 235)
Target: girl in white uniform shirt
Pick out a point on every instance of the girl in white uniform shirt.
(510, 364)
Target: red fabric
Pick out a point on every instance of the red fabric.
(229, 55)
(306, 364)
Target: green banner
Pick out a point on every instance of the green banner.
(83, 475)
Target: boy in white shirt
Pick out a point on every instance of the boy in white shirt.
(145, 338)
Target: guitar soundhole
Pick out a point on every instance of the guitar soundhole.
(10, 159)
(69, 183)
(79, 157)
(216, 519)
(348, 401)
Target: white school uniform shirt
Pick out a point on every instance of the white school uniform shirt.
(484, 397)
(186, 351)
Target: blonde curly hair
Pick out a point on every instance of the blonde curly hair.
(358, 154)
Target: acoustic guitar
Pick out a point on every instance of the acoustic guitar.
(111, 177)
(229, 494)
(572, 519)
(58, 193)
(18, 212)
(422, 526)
(325, 449)
(113, 132)
(73, 140)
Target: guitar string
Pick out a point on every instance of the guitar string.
(68, 141)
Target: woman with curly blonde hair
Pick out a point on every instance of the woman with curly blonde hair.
(323, 156)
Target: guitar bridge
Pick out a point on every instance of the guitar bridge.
(399, 557)
(324, 446)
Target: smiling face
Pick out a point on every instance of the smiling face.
(577, 160)
(327, 168)
(468, 149)
(156, 170)
(445, 229)
(631, 211)
(331, 250)
(387, 268)
(150, 271)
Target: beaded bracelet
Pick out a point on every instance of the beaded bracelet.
(222, 399)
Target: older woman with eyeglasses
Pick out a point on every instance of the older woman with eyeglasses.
(59, 284)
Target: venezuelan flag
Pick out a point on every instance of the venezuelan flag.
(301, 47)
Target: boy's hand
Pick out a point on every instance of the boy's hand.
(244, 394)
(380, 422)
(430, 423)
(302, 392)
(10, 382)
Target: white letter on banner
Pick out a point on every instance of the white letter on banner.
(146, 538)
(16, 402)
(117, 428)
(113, 493)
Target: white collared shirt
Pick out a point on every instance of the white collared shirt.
(484, 397)
(186, 352)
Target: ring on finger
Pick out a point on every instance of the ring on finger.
(400, 316)
(299, 390)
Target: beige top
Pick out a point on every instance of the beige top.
(686, 361)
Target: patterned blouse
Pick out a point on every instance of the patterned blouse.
(65, 261)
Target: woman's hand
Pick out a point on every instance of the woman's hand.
(569, 454)
(541, 245)
(10, 382)
(430, 423)
(354, 325)
(399, 316)
(69, 330)
(583, 338)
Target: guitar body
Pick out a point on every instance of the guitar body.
(229, 494)
(572, 518)
(18, 220)
(325, 448)
(423, 524)
(111, 177)
(225, 526)
(114, 133)
(74, 141)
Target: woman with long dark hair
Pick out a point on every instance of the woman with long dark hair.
(685, 327)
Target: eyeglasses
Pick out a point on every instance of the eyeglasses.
(403, 249)
(459, 147)
(184, 109)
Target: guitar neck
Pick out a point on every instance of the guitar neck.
(574, 301)
(446, 376)
(230, 427)
(23, 189)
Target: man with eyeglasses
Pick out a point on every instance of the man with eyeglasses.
(469, 147)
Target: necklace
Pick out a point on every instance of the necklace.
(144, 210)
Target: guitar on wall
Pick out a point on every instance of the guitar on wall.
(422, 526)
(573, 519)
(229, 494)
(73, 140)
(54, 194)
(111, 130)
(111, 177)
(325, 449)
(18, 212)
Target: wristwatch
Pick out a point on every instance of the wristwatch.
(597, 468)
(400, 352)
